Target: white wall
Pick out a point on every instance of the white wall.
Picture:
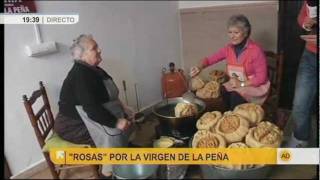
(204, 30)
(137, 39)
(195, 4)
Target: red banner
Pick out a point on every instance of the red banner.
(19, 6)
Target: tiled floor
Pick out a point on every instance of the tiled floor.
(145, 135)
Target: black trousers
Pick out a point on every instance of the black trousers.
(231, 99)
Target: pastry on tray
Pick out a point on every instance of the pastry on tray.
(252, 112)
(185, 109)
(206, 139)
(237, 166)
(163, 142)
(210, 90)
(208, 120)
(265, 134)
(218, 76)
(196, 83)
(232, 127)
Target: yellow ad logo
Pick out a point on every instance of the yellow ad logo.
(60, 155)
(285, 155)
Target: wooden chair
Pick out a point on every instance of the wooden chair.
(42, 122)
(275, 68)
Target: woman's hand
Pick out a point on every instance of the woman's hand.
(123, 124)
(308, 23)
(195, 70)
(235, 83)
(309, 38)
(130, 112)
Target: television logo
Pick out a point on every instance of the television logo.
(60, 155)
(285, 155)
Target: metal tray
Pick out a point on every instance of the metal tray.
(214, 172)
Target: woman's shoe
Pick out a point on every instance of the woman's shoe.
(296, 143)
(102, 176)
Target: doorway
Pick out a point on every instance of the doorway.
(7, 172)
(292, 46)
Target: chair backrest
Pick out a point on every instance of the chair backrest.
(275, 68)
(42, 121)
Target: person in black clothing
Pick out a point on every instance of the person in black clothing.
(90, 111)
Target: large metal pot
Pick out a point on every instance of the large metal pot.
(134, 171)
(214, 172)
(185, 125)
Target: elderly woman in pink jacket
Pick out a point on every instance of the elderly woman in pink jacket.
(246, 65)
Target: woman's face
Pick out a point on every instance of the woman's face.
(92, 53)
(236, 35)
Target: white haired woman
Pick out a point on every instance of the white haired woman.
(90, 111)
(246, 65)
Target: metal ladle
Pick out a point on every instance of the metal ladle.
(139, 116)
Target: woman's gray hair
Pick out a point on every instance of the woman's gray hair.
(240, 21)
(77, 45)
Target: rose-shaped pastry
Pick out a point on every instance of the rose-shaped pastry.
(265, 134)
(185, 109)
(218, 76)
(208, 120)
(210, 90)
(232, 127)
(204, 93)
(196, 83)
(206, 139)
(237, 166)
(253, 112)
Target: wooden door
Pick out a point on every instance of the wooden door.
(7, 172)
(292, 46)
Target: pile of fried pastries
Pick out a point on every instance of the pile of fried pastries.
(244, 127)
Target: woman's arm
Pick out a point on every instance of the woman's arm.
(207, 61)
(302, 14)
(220, 55)
(304, 20)
(128, 110)
(259, 64)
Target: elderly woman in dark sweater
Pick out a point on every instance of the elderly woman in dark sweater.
(90, 111)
